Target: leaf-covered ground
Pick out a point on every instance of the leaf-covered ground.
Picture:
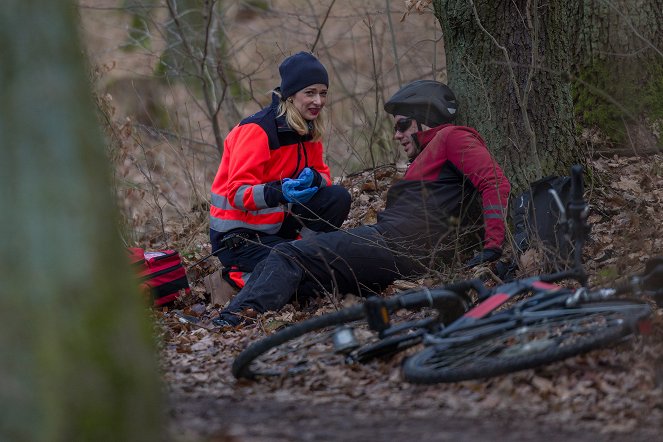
(611, 394)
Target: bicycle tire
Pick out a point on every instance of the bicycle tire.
(242, 368)
(269, 355)
(528, 344)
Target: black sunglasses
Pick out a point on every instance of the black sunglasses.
(403, 124)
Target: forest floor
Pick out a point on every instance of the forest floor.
(611, 394)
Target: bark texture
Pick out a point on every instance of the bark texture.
(619, 69)
(508, 62)
(76, 356)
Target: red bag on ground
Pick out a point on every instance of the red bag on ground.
(162, 275)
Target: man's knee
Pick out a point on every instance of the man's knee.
(285, 251)
(295, 258)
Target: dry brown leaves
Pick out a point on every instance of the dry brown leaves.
(613, 390)
(421, 6)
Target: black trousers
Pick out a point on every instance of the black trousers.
(325, 212)
(356, 261)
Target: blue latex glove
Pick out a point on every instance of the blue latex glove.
(305, 178)
(293, 193)
(486, 255)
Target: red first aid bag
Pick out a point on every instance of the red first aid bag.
(161, 273)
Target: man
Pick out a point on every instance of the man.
(450, 168)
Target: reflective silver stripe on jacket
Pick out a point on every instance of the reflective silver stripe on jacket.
(500, 212)
(258, 196)
(223, 225)
(221, 202)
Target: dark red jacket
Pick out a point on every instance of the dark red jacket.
(452, 170)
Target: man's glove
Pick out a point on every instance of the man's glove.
(293, 191)
(486, 255)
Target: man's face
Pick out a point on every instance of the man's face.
(404, 127)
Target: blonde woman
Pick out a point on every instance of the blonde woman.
(273, 185)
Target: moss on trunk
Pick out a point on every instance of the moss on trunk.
(508, 63)
(619, 65)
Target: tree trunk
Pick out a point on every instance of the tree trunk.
(77, 361)
(508, 62)
(619, 69)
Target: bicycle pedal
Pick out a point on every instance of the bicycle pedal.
(377, 315)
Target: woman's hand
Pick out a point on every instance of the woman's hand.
(295, 192)
(305, 178)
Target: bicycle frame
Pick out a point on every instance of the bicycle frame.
(544, 294)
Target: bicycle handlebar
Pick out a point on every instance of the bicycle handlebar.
(577, 186)
(462, 287)
(577, 206)
(433, 297)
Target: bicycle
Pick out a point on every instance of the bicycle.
(554, 323)
(464, 340)
(289, 351)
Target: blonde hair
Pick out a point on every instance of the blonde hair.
(298, 123)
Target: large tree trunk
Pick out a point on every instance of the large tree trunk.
(618, 70)
(508, 62)
(76, 354)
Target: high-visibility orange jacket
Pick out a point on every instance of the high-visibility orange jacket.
(258, 154)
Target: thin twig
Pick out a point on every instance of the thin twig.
(393, 44)
(317, 37)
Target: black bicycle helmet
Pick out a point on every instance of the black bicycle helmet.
(429, 102)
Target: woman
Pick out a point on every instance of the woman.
(273, 185)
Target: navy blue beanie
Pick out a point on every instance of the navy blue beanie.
(301, 70)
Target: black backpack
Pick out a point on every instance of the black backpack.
(536, 222)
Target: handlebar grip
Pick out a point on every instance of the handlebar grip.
(577, 185)
(433, 297)
(415, 299)
(455, 293)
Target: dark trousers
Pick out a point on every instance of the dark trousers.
(325, 212)
(354, 261)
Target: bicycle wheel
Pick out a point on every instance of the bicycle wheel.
(536, 338)
(311, 344)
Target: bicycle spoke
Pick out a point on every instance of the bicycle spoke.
(294, 356)
(313, 349)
